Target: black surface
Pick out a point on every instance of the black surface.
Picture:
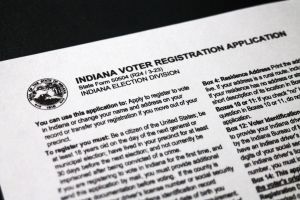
(42, 25)
(1, 195)
(33, 27)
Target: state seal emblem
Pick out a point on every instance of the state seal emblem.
(47, 94)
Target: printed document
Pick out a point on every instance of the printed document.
(207, 109)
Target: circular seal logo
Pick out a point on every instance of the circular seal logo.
(47, 93)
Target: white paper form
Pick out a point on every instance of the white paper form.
(207, 109)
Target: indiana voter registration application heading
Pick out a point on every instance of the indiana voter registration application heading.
(207, 109)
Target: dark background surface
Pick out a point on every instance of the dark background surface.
(1, 196)
(33, 27)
